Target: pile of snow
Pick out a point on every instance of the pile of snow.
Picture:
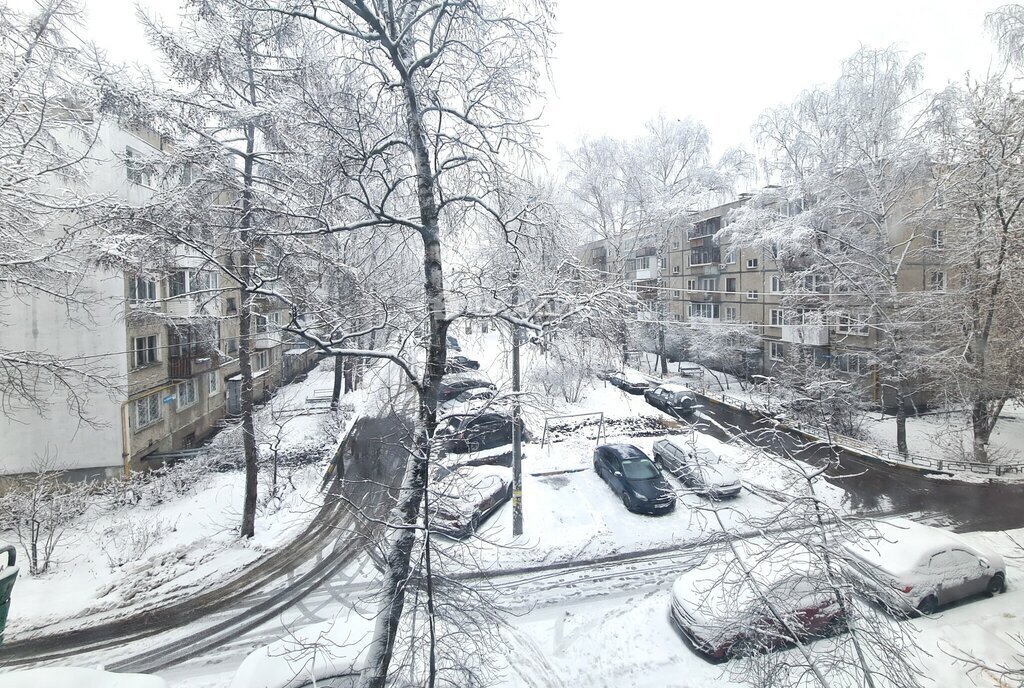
(66, 677)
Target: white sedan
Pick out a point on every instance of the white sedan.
(913, 568)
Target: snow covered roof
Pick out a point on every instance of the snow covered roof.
(675, 387)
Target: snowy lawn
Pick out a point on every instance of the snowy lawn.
(183, 537)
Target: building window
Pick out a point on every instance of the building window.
(776, 351)
(144, 350)
(187, 393)
(730, 314)
(751, 263)
(232, 306)
(675, 293)
(213, 384)
(232, 346)
(852, 363)
(262, 362)
(177, 284)
(776, 284)
(661, 263)
(708, 284)
(937, 281)
(703, 310)
(675, 244)
(675, 269)
(645, 263)
(691, 285)
(730, 256)
(259, 324)
(147, 411)
(775, 315)
(134, 168)
(752, 295)
(938, 238)
(851, 324)
(730, 285)
(141, 289)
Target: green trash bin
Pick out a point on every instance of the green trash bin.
(7, 575)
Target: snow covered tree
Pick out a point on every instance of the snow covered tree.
(47, 130)
(845, 226)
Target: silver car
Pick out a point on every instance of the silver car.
(702, 470)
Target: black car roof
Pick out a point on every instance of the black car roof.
(628, 450)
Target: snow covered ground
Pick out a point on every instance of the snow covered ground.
(627, 639)
(175, 541)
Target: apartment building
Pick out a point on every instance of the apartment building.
(165, 344)
(700, 276)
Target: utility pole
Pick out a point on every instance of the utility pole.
(517, 424)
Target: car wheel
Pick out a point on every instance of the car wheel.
(627, 501)
(928, 605)
(996, 585)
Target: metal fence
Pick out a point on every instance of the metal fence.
(913, 461)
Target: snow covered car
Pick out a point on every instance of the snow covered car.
(635, 478)
(702, 470)
(475, 397)
(477, 431)
(454, 385)
(912, 568)
(465, 496)
(673, 399)
(629, 381)
(460, 364)
(761, 600)
(329, 655)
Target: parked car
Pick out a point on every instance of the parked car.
(330, 654)
(473, 398)
(464, 497)
(454, 385)
(460, 364)
(702, 470)
(629, 381)
(673, 399)
(912, 568)
(722, 605)
(453, 343)
(632, 475)
(477, 431)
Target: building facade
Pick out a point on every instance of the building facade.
(166, 345)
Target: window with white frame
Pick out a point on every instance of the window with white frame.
(852, 323)
(675, 269)
(135, 168)
(730, 256)
(752, 263)
(213, 384)
(752, 295)
(675, 293)
(141, 289)
(776, 284)
(730, 314)
(852, 363)
(937, 281)
(259, 323)
(775, 317)
(703, 310)
(262, 361)
(187, 394)
(645, 263)
(661, 263)
(776, 351)
(145, 351)
(691, 285)
(708, 284)
(675, 244)
(938, 238)
(147, 411)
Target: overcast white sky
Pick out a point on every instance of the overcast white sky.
(617, 64)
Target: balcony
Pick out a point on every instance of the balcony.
(185, 367)
(646, 274)
(266, 340)
(189, 306)
(807, 335)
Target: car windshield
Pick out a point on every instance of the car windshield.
(639, 469)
